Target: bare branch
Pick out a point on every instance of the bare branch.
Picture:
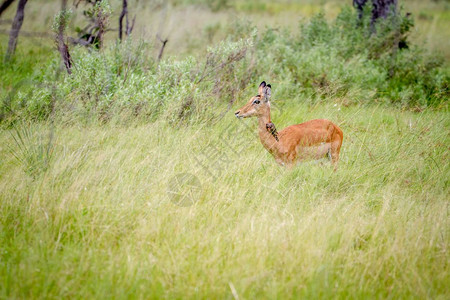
(164, 42)
(130, 29)
(160, 29)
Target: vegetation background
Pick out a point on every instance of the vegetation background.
(131, 178)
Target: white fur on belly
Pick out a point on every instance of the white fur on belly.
(313, 152)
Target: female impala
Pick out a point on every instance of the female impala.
(309, 140)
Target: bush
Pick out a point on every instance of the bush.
(122, 82)
(347, 60)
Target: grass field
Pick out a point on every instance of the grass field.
(140, 208)
(101, 223)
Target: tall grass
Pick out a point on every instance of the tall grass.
(101, 223)
(32, 150)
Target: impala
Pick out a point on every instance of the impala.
(313, 139)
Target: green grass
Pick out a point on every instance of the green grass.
(100, 223)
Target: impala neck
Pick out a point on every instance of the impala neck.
(267, 139)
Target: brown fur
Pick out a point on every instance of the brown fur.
(309, 140)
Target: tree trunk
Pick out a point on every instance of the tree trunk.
(16, 25)
(381, 8)
(5, 5)
(101, 28)
(123, 14)
(62, 46)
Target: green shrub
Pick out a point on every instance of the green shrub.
(347, 60)
(122, 81)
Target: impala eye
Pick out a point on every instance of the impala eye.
(256, 101)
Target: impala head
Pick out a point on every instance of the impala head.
(258, 105)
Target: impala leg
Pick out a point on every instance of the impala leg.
(334, 152)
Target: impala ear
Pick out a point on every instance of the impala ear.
(261, 87)
(267, 92)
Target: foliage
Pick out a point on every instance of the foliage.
(123, 81)
(350, 60)
(347, 60)
(61, 20)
